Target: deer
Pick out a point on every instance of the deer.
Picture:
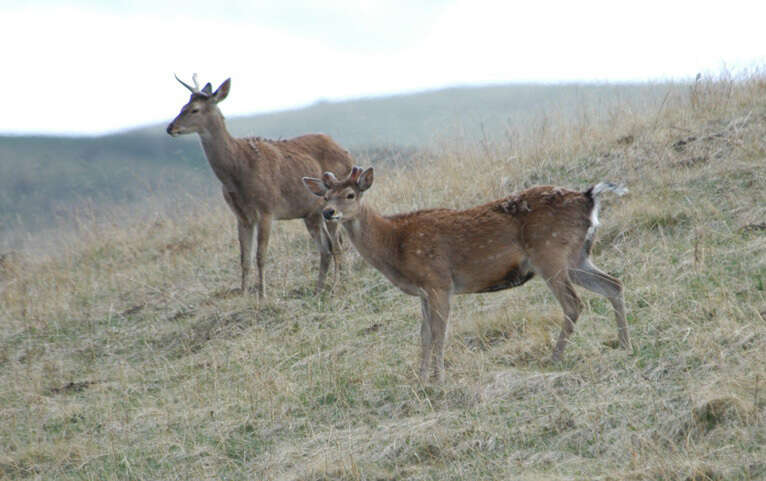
(437, 253)
(261, 179)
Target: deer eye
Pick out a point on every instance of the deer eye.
(195, 111)
(350, 196)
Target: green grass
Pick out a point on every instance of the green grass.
(125, 355)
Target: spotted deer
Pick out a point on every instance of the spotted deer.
(436, 253)
(261, 178)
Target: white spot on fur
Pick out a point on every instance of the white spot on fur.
(593, 220)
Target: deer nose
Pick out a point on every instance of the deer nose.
(172, 130)
(328, 213)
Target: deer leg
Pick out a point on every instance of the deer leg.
(426, 340)
(264, 231)
(314, 226)
(592, 278)
(433, 332)
(245, 231)
(439, 304)
(337, 253)
(558, 281)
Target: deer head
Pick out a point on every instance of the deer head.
(342, 198)
(202, 109)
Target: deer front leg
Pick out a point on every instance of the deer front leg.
(315, 226)
(245, 230)
(264, 231)
(426, 340)
(440, 307)
(436, 307)
(337, 252)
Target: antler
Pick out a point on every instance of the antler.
(195, 89)
(329, 179)
(356, 171)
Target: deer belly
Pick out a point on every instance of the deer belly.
(512, 278)
(495, 276)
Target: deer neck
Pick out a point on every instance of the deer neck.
(373, 236)
(220, 148)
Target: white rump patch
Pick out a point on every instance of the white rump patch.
(597, 190)
(593, 220)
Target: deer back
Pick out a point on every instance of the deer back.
(492, 246)
(268, 175)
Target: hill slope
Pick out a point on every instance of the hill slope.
(127, 355)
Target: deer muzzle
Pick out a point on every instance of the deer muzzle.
(331, 214)
(172, 130)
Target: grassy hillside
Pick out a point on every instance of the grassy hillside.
(126, 355)
(53, 182)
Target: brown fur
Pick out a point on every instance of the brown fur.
(261, 179)
(502, 244)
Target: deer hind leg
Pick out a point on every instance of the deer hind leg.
(436, 307)
(314, 226)
(245, 231)
(572, 306)
(557, 277)
(592, 278)
(264, 232)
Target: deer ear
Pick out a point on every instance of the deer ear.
(222, 91)
(365, 180)
(207, 89)
(315, 186)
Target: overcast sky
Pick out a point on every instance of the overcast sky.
(89, 67)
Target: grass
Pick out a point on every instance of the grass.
(125, 355)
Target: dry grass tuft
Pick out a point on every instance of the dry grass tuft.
(719, 411)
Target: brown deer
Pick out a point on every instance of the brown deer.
(436, 253)
(261, 178)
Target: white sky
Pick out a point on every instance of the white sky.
(89, 67)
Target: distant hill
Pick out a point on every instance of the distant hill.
(52, 180)
(419, 119)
